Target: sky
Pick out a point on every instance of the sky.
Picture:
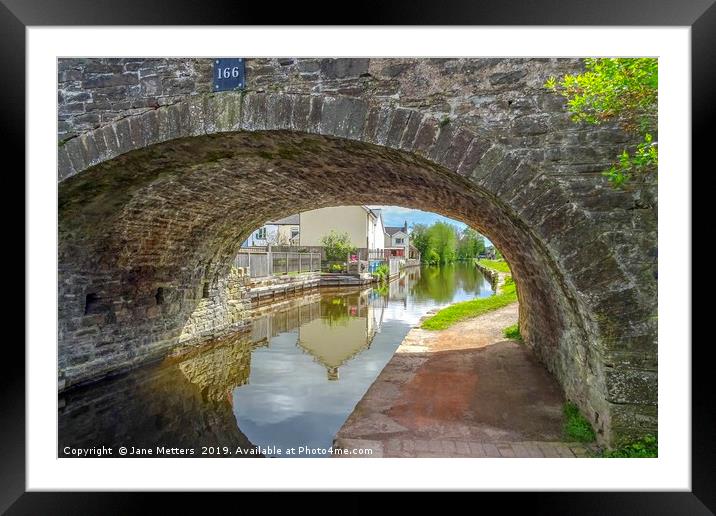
(396, 216)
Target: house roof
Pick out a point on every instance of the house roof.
(391, 230)
(291, 220)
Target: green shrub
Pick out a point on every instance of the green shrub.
(337, 246)
(382, 272)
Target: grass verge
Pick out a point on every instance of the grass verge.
(576, 426)
(468, 309)
(498, 265)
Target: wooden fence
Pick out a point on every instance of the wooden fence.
(267, 263)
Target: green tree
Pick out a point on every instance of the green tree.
(443, 240)
(419, 238)
(337, 246)
(470, 244)
(622, 89)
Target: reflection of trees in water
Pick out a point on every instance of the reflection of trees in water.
(440, 283)
(436, 283)
(469, 277)
(338, 309)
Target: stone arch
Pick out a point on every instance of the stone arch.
(163, 199)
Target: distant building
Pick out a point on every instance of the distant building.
(363, 225)
(397, 242)
(397, 239)
(284, 231)
(488, 253)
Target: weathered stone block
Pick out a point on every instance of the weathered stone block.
(507, 77)
(632, 386)
(344, 67)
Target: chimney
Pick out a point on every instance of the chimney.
(405, 227)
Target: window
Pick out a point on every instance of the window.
(294, 232)
(261, 234)
(399, 240)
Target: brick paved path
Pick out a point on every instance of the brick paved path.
(448, 448)
(462, 392)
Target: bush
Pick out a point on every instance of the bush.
(381, 272)
(337, 246)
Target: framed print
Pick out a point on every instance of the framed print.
(432, 248)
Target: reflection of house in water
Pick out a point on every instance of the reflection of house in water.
(398, 289)
(287, 317)
(353, 320)
(331, 328)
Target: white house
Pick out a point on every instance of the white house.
(397, 240)
(363, 225)
(280, 232)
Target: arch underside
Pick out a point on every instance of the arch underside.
(172, 215)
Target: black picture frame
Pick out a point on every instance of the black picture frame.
(16, 15)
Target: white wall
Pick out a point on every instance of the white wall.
(315, 224)
(376, 234)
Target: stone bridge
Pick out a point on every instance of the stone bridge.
(160, 180)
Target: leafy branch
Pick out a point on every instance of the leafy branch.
(621, 89)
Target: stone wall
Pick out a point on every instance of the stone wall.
(496, 279)
(163, 188)
(94, 92)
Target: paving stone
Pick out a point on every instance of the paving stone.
(506, 450)
(477, 449)
(490, 450)
(548, 450)
(462, 448)
(436, 446)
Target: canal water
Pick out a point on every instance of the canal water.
(283, 389)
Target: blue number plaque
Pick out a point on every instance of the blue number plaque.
(229, 74)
